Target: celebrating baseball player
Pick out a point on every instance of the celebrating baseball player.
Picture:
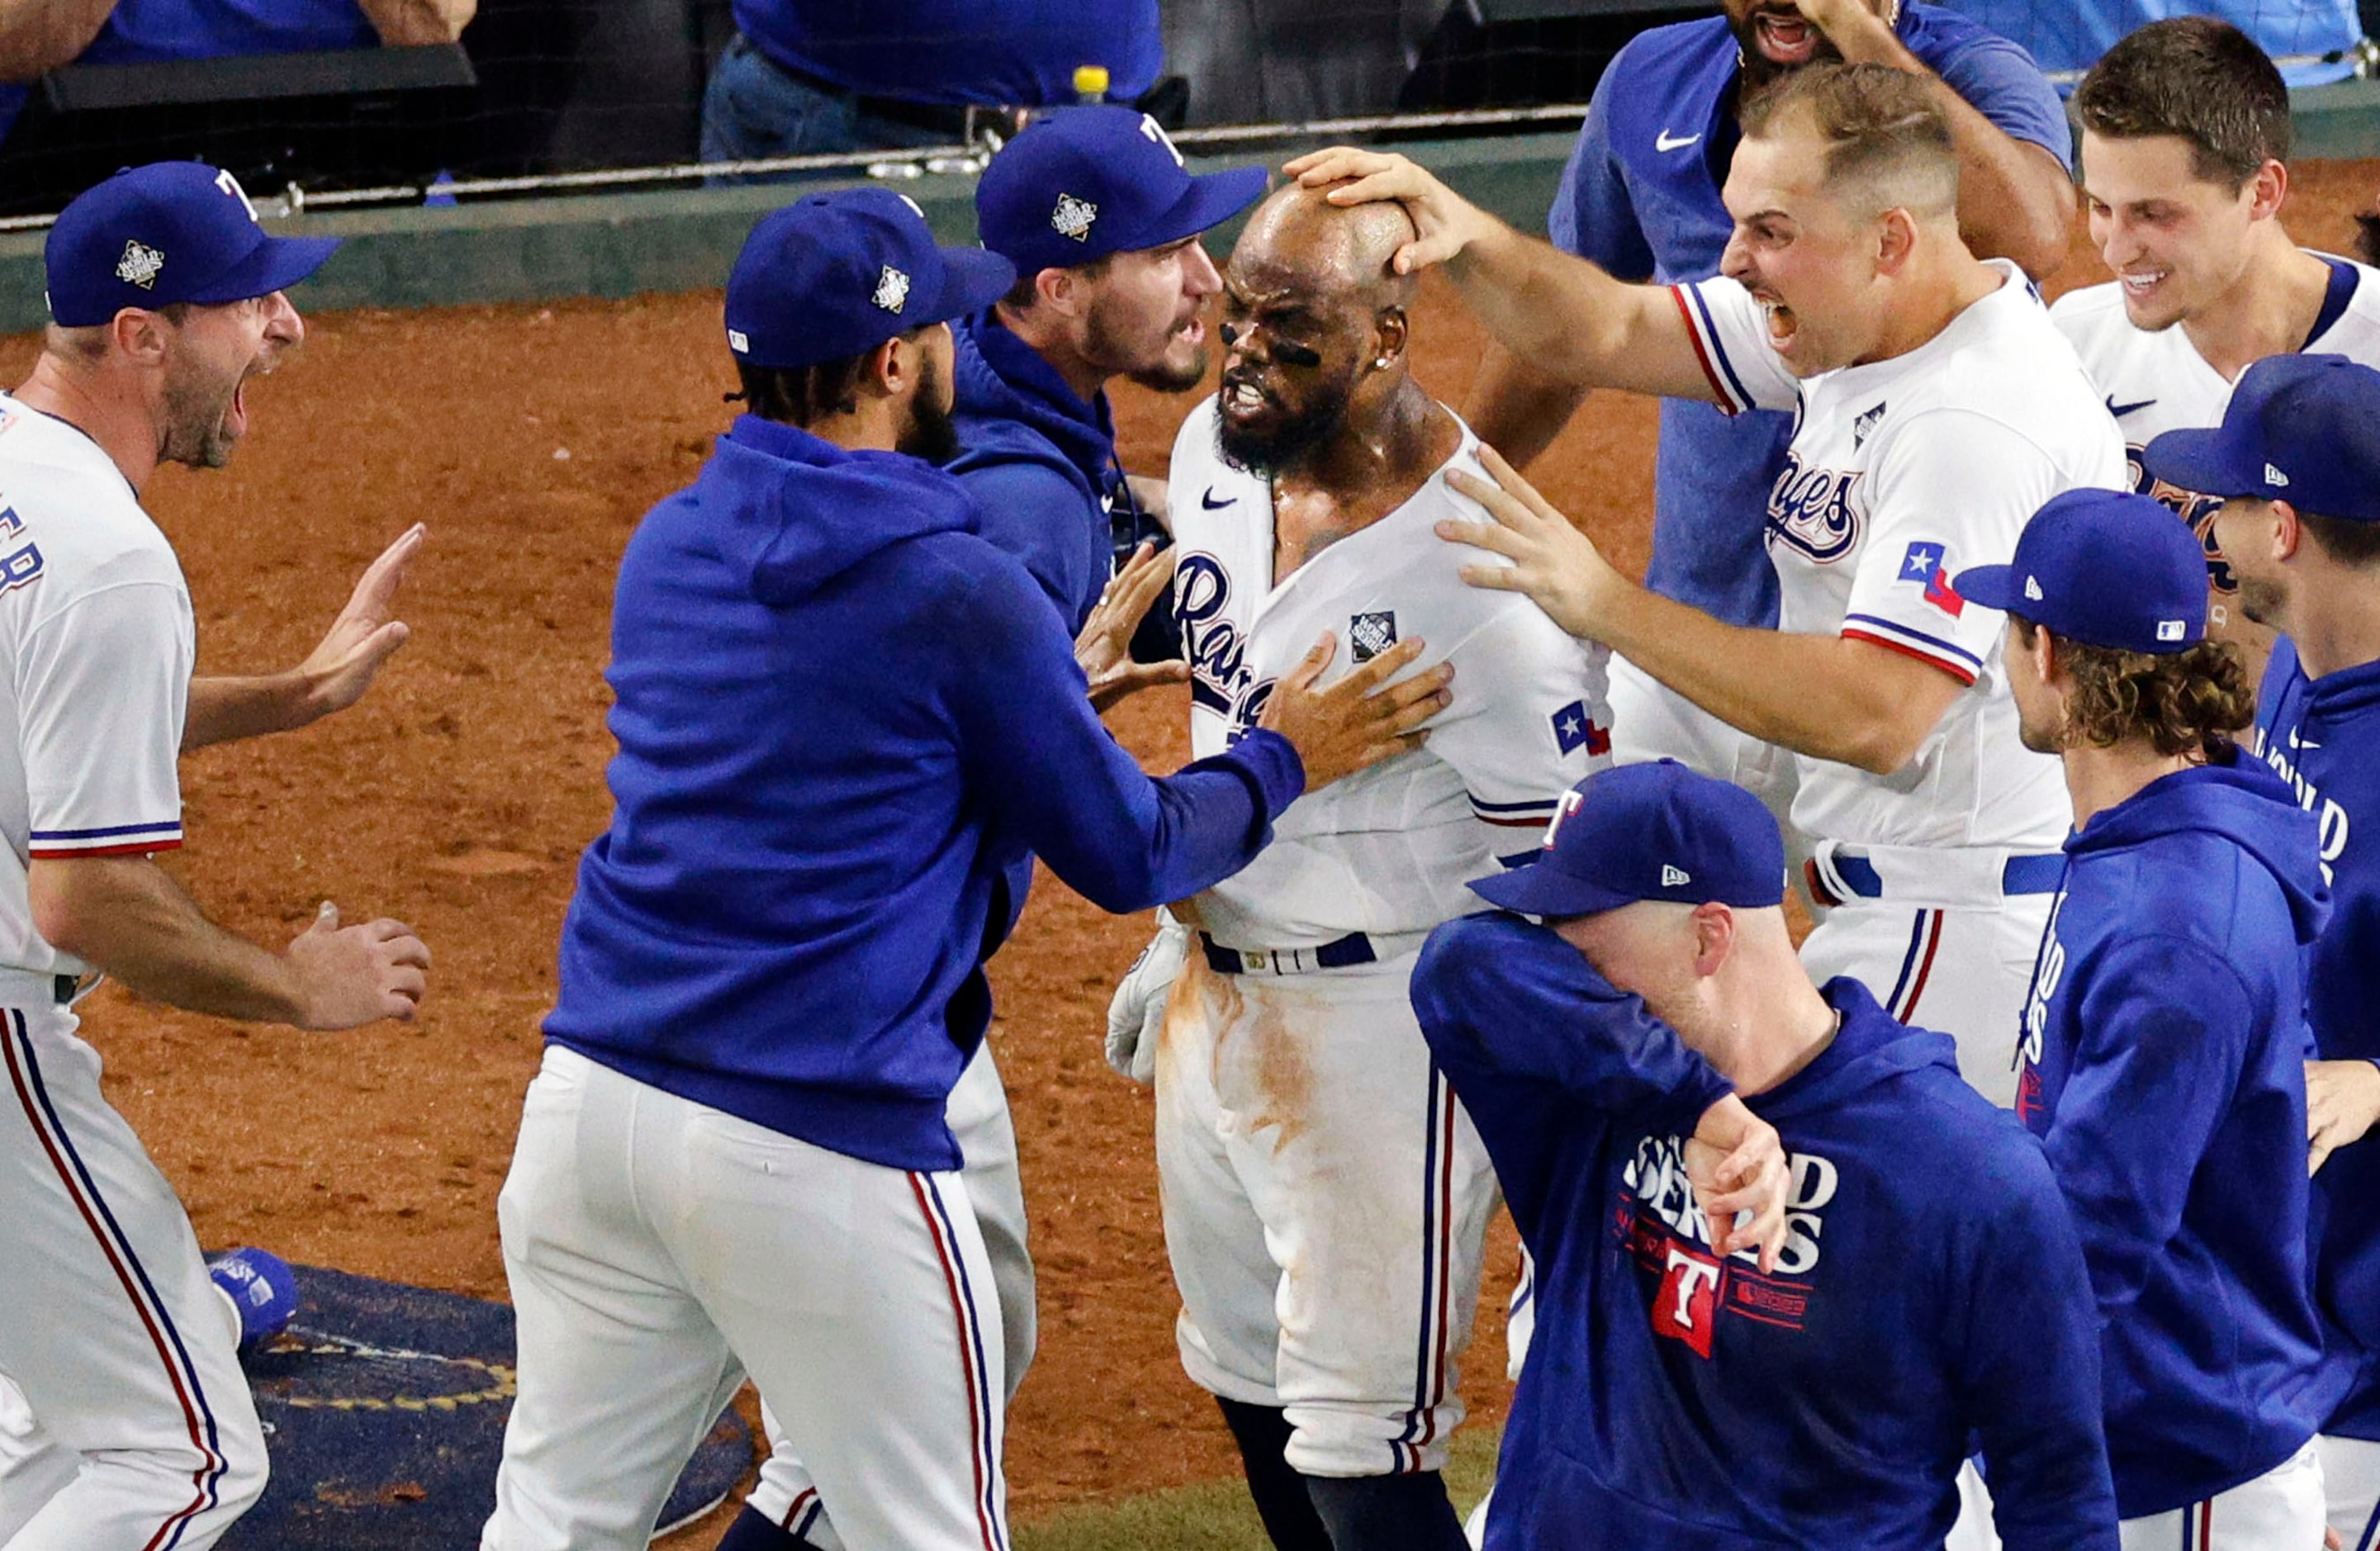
(836, 705)
(2295, 461)
(2165, 1040)
(165, 297)
(1325, 1200)
(1097, 211)
(2185, 137)
(1936, 409)
(1687, 1390)
(1640, 197)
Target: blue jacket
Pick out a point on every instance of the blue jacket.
(1641, 198)
(839, 712)
(2323, 736)
(998, 53)
(2164, 1046)
(1930, 1288)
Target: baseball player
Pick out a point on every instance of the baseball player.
(835, 706)
(2297, 457)
(135, 1427)
(1102, 219)
(2185, 141)
(1936, 411)
(2164, 1040)
(1325, 1200)
(1685, 1389)
(1640, 197)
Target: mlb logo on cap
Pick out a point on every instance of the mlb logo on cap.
(2105, 567)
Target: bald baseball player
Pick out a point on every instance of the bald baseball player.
(165, 298)
(835, 703)
(1687, 1388)
(1097, 211)
(2164, 1042)
(1937, 410)
(2297, 459)
(2185, 146)
(1325, 1198)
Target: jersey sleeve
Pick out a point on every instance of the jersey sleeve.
(1531, 725)
(1948, 488)
(1592, 215)
(103, 686)
(1730, 333)
(1999, 79)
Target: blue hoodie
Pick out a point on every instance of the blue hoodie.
(1930, 1288)
(2323, 736)
(2164, 1047)
(839, 711)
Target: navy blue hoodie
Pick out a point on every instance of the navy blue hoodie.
(839, 711)
(2164, 1046)
(2323, 737)
(1930, 1287)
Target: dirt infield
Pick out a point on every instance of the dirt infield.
(460, 794)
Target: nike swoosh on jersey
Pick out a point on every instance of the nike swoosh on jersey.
(1212, 505)
(1663, 142)
(2121, 410)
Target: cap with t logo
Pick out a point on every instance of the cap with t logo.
(1079, 183)
(1649, 832)
(166, 233)
(2300, 429)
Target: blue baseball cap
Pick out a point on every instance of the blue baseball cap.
(1651, 831)
(169, 232)
(834, 276)
(1082, 183)
(2103, 567)
(2300, 429)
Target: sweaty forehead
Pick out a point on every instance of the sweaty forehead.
(1778, 175)
(1301, 250)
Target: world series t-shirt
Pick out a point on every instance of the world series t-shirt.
(1901, 473)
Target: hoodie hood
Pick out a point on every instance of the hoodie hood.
(1870, 1048)
(1012, 405)
(794, 511)
(2237, 797)
(2342, 695)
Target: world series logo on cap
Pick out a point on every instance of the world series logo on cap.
(139, 265)
(891, 289)
(1073, 217)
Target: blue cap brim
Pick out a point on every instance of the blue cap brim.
(1535, 889)
(277, 264)
(1213, 198)
(1994, 587)
(973, 279)
(2189, 459)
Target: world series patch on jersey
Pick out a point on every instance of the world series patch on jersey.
(1903, 473)
(1385, 852)
(2154, 381)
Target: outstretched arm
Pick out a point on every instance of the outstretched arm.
(334, 677)
(1562, 315)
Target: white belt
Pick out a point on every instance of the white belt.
(1932, 878)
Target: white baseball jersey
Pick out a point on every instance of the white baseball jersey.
(1903, 473)
(96, 649)
(2156, 381)
(1386, 851)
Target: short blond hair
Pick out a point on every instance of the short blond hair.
(1887, 140)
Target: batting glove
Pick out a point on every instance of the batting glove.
(1138, 1011)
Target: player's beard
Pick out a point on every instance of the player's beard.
(930, 434)
(1105, 347)
(1291, 440)
(2261, 601)
(196, 406)
(1759, 70)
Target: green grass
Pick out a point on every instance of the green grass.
(1217, 1515)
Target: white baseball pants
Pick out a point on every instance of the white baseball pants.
(2280, 1510)
(1325, 1202)
(2350, 1484)
(659, 1250)
(1962, 970)
(130, 1427)
(786, 1495)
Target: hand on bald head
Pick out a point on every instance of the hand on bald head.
(1334, 256)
